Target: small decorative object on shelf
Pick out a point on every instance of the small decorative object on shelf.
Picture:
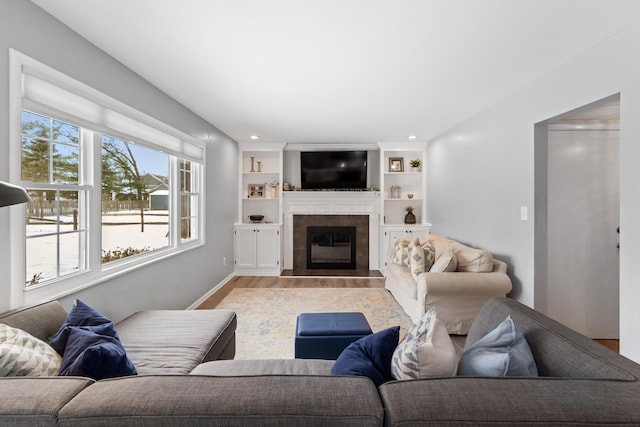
(256, 191)
(259, 166)
(409, 218)
(395, 192)
(415, 165)
(410, 195)
(396, 164)
(286, 186)
(256, 218)
(252, 159)
(274, 188)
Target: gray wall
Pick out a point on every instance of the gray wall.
(28, 29)
(482, 171)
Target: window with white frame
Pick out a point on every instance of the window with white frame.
(55, 227)
(111, 188)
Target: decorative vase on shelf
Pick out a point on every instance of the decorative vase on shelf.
(415, 165)
(273, 186)
(409, 218)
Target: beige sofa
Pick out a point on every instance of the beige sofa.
(465, 280)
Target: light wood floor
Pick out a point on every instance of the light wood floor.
(317, 282)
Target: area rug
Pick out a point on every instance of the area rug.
(267, 317)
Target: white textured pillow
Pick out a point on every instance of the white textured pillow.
(426, 351)
(446, 262)
(23, 355)
(401, 252)
(416, 260)
(421, 257)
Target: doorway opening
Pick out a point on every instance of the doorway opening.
(577, 218)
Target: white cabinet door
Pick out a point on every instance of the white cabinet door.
(257, 249)
(245, 247)
(267, 248)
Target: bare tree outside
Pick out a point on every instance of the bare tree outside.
(118, 161)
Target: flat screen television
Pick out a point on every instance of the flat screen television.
(333, 170)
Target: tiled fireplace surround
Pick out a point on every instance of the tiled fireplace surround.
(329, 208)
(301, 222)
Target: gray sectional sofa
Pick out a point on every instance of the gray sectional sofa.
(580, 383)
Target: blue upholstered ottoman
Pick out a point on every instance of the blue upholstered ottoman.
(325, 335)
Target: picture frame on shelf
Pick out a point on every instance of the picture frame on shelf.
(396, 164)
(256, 191)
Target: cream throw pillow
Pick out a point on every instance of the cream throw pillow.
(472, 260)
(416, 260)
(401, 252)
(445, 263)
(426, 351)
(23, 355)
(439, 243)
(421, 258)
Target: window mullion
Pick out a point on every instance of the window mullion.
(93, 176)
(175, 215)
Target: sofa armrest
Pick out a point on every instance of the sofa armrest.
(463, 284)
(459, 296)
(510, 401)
(40, 320)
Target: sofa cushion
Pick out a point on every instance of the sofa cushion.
(89, 354)
(369, 356)
(401, 252)
(502, 352)
(445, 263)
(36, 401)
(176, 341)
(22, 354)
(426, 351)
(237, 368)
(472, 260)
(196, 400)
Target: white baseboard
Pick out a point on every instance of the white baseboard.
(212, 291)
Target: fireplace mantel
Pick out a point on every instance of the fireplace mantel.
(332, 203)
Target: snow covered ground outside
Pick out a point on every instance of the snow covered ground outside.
(122, 231)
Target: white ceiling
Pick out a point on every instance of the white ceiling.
(341, 71)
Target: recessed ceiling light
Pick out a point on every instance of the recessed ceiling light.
(412, 137)
(254, 137)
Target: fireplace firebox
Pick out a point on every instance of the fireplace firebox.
(331, 248)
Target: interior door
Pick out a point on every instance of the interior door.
(583, 217)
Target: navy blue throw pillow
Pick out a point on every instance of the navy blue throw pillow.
(88, 318)
(90, 345)
(369, 356)
(88, 354)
